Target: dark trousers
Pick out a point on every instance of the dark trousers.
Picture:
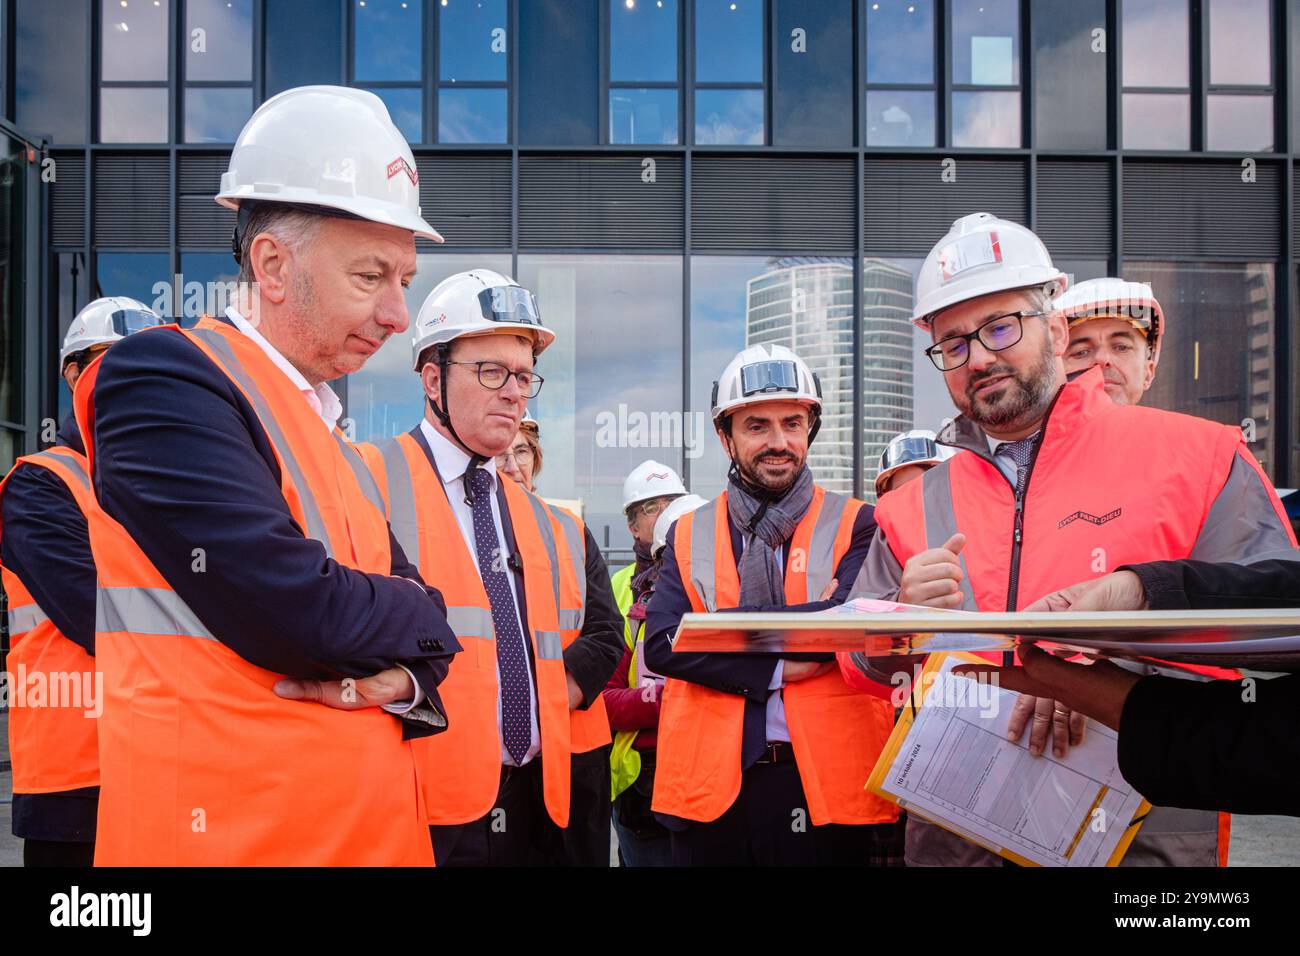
(769, 825)
(518, 830)
(642, 840)
(57, 853)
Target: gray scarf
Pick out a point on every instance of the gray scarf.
(761, 581)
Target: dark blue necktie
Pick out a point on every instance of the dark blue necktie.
(512, 658)
(1020, 452)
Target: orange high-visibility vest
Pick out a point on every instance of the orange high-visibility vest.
(837, 733)
(1089, 507)
(588, 728)
(202, 763)
(460, 769)
(54, 745)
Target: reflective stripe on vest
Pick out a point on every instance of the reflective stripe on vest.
(55, 748)
(315, 525)
(572, 618)
(837, 733)
(364, 478)
(203, 764)
(23, 619)
(158, 611)
(401, 499)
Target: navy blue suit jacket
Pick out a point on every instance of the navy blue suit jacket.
(181, 461)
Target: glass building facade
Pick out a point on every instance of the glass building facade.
(677, 179)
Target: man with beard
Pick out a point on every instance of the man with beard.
(1053, 484)
(762, 757)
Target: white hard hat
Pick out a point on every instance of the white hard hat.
(650, 479)
(476, 303)
(915, 447)
(1112, 298)
(330, 147)
(981, 255)
(766, 373)
(104, 322)
(530, 423)
(676, 508)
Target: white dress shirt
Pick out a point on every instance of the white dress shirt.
(321, 398)
(452, 462)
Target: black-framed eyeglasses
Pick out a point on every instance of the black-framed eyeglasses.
(998, 333)
(494, 375)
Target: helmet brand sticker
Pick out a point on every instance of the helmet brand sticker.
(969, 252)
(660, 475)
(401, 165)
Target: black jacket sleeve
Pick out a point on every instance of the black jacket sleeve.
(1217, 745)
(46, 544)
(183, 463)
(592, 658)
(1180, 585)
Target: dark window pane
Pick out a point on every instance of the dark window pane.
(406, 109)
(132, 115)
(472, 40)
(133, 40)
(304, 42)
(559, 67)
(209, 283)
(729, 41)
(900, 41)
(471, 116)
(1217, 358)
(610, 401)
(52, 69)
(216, 115)
(986, 42)
(18, 220)
(387, 39)
(145, 276)
(1239, 122)
(900, 118)
(224, 48)
(1070, 95)
(986, 119)
(1241, 43)
(729, 116)
(642, 116)
(1157, 121)
(1155, 43)
(643, 41)
(812, 96)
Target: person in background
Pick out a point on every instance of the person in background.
(907, 456)
(522, 461)
(1118, 326)
(632, 702)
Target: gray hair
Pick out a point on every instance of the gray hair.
(293, 227)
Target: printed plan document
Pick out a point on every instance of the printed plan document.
(950, 762)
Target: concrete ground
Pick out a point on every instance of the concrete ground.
(1256, 841)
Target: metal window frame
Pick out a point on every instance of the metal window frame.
(1283, 89)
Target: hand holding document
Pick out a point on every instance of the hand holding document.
(950, 761)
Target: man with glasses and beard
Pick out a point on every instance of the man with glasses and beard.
(1053, 484)
(761, 758)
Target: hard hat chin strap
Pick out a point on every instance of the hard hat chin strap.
(444, 419)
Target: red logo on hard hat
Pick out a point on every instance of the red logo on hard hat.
(401, 165)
